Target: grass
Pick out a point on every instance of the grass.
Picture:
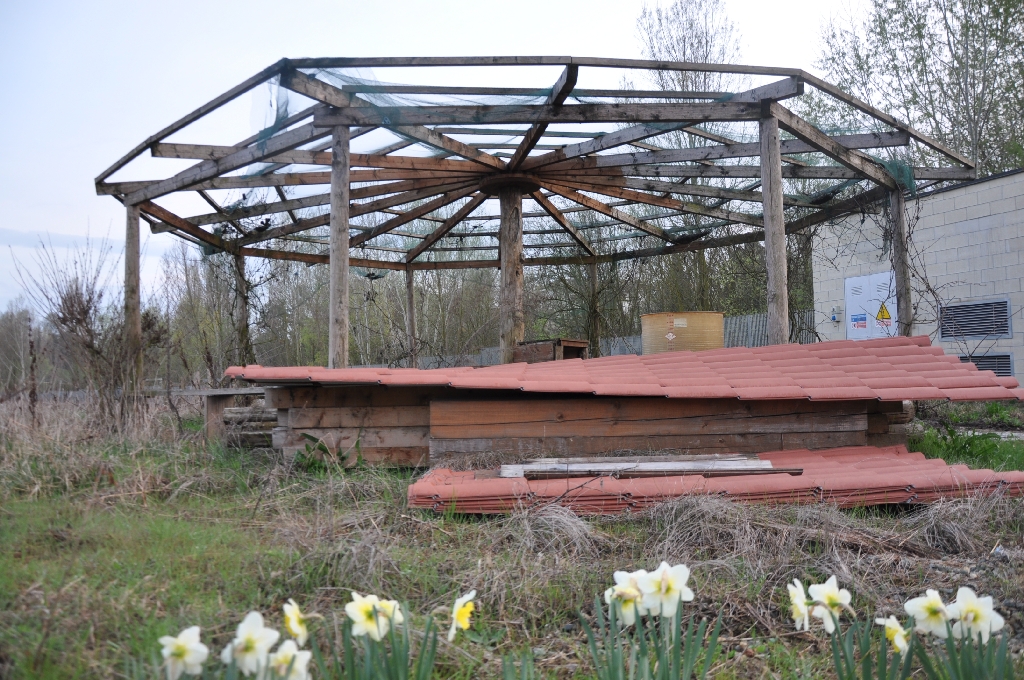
(111, 540)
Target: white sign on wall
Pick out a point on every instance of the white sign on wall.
(871, 306)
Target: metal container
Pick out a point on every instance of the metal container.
(675, 331)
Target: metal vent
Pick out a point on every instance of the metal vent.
(1000, 364)
(979, 320)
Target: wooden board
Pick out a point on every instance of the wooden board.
(359, 416)
(328, 397)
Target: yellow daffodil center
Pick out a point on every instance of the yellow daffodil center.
(463, 614)
(369, 615)
(934, 611)
(179, 650)
(890, 633)
(971, 614)
(798, 609)
(248, 645)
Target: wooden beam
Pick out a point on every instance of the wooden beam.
(608, 141)
(333, 96)
(754, 172)
(410, 315)
(855, 160)
(707, 153)
(449, 224)
(664, 202)
(559, 93)
(165, 215)
(901, 262)
(208, 169)
(133, 298)
(206, 108)
(562, 221)
(337, 330)
(604, 209)
(578, 113)
(687, 189)
(831, 211)
(774, 233)
(284, 230)
(511, 322)
(416, 212)
(261, 209)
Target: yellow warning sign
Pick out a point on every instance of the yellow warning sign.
(882, 319)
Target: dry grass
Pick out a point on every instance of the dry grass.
(123, 536)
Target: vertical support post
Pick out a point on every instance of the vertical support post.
(213, 417)
(774, 232)
(410, 316)
(595, 312)
(901, 262)
(337, 339)
(133, 299)
(244, 353)
(512, 325)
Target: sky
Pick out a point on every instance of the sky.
(84, 82)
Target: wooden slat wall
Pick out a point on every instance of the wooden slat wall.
(391, 426)
(595, 426)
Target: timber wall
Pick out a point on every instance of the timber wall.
(411, 426)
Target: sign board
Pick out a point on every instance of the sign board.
(871, 306)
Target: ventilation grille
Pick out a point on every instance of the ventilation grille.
(1000, 364)
(981, 320)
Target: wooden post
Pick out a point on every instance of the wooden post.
(901, 262)
(595, 313)
(512, 326)
(133, 299)
(213, 417)
(337, 340)
(774, 232)
(244, 353)
(410, 316)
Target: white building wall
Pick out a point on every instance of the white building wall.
(968, 246)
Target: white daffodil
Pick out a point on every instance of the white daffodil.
(184, 654)
(251, 645)
(830, 600)
(632, 580)
(288, 655)
(894, 633)
(369, 616)
(461, 611)
(391, 610)
(295, 622)
(628, 598)
(930, 614)
(798, 605)
(975, 615)
(664, 588)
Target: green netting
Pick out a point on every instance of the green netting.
(901, 172)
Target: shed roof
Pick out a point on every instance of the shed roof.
(889, 369)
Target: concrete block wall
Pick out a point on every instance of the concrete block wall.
(968, 243)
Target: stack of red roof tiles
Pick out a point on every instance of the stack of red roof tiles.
(847, 477)
(890, 369)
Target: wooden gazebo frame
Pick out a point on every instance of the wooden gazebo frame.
(618, 173)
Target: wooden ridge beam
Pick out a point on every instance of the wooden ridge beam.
(559, 93)
(577, 113)
(333, 96)
(853, 204)
(556, 214)
(736, 150)
(851, 158)
(284, 141)
(449, 224)
(605, 209)
(409, 216)
(664, 202)
(686, 189)
(180, 223)
(754, 172)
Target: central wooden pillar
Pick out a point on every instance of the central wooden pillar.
(901, 262)
(133, 298)
(512, 326)
(337, 339)
(245, 352)
(774, 232)
(410, 316)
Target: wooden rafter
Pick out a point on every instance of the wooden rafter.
(449, 224)
(556, 214)
(409, 216)
(605, 209)
(559, 93)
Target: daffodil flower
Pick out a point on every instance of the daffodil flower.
(975, 615)
(295, 622)
(251, 646)
(894, 633)
(930, 614)
(830, 601)
(461, 612)
(627, 597)
(664, 588)
(798, 604)
(184, 654)
(368, 616)
(289, 656)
